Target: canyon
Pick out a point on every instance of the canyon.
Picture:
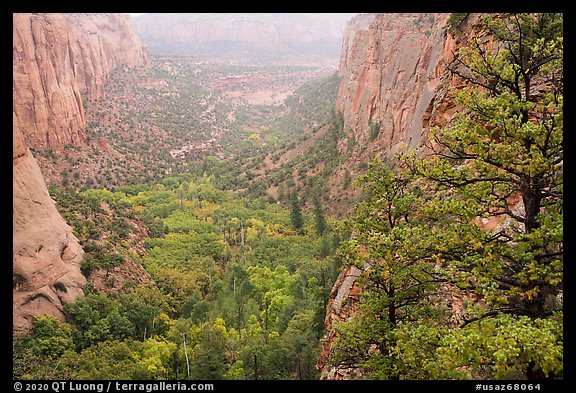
(392, 75)
(395, 86)
(58, 61)
(311, 39)
(190, 137)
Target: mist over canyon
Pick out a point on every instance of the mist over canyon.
(305, 39)
(287, 196)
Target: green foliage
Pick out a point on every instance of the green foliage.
(508, 144)
(100, 260)
(230, 278)
(295, 212)
(209, 359)
(299, 337)
(106, 360)
(156, 226)
(265, 356)
(515, 343)
(373, 130)
(454, 22)
(179, 250)
(156, 357)
(291, 251)
(321, 224)
(347, 181)
(389, 246)
(420, 230)
(184, 221)
(50, 337)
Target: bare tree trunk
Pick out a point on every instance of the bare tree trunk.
(186, 354)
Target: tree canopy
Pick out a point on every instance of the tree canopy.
(478, 221)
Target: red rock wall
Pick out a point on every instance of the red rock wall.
(57, 60)
(61, 59)
(394, 70)
(390, 67)
(46, 255)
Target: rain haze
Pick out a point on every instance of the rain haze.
(305, 39)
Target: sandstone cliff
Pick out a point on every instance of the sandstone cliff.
(58, 60)
(394, 71)
(390, 68)
(255, 38)
(46, 255)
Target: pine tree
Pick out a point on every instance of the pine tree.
(507, 145)
(321, 225)
(499, 162)
(398, 277)
(502, 159)
(296, 213)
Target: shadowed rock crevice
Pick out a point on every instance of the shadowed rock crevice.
(57, 60)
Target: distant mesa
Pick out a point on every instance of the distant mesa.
(313, 39)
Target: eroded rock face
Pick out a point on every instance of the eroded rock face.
(341, 305)
(393, 77)
(390, 67)
(394, 71)
(61, 59)
(46, 255)
(58, 59)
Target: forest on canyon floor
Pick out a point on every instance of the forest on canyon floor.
(217, 209)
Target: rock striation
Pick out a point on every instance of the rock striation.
(395, 85)
(58, 61)
(46, 255)
(390, 68)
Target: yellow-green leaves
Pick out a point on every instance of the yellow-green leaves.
(476, 225)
